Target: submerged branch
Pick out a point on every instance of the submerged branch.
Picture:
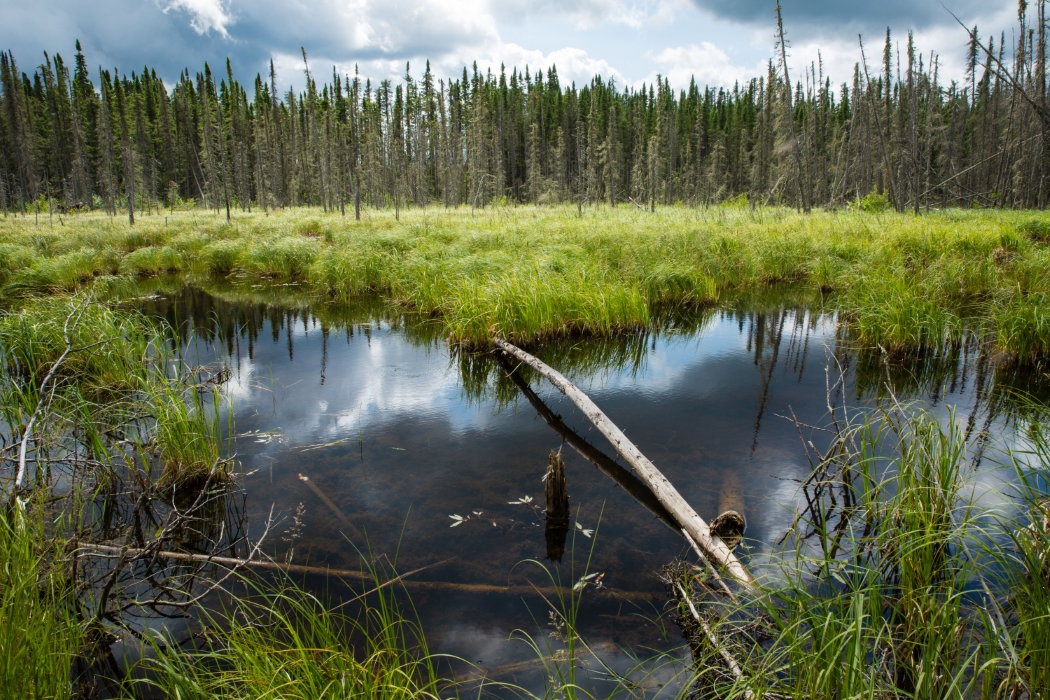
(225, 561)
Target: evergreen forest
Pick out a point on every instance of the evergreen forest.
(72, 137)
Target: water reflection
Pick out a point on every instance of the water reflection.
(394, 433)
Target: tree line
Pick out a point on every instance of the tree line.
(895, 135)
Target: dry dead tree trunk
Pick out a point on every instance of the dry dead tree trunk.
(663, 489)
(557, 493)
(555, 489)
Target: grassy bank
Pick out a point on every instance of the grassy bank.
(533, 272)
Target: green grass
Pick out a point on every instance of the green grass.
(899, 587)
(119, 379)
(531, 273)
(280, 642)
(897, 583)
(1027, 572)
(39, 635)
(112, 345)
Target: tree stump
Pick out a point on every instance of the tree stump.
(557, 526)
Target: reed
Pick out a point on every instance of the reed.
(118, 378)
(188, 431)
(894, 583)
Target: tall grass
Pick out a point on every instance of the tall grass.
(279, 641)
(188, 431)
(894, 582)
(39, 633)
(901, 281)
(1025, 566)
(119, 378)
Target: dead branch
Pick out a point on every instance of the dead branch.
(622, 477)
(713, 639)
(664, 491)
(73, 316)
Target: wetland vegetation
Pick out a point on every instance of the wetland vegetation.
(894, 579)
(900, 282)
(898, 223)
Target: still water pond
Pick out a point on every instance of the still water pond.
(364, 421)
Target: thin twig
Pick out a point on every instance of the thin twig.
(713, 639)
(710, 569)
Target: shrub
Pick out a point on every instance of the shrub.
(874, 203)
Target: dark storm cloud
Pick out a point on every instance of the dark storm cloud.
(174, 34)
(836, 17)
(126, 34)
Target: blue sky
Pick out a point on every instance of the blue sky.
(718, 41)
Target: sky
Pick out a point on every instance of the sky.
(718, 42)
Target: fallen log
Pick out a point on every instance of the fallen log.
(621, 477)
(663, 489)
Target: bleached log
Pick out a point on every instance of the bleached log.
(663, 489)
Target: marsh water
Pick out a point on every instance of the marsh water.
(361, 428)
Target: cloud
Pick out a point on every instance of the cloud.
(830, 17)
(588, 14)
(173, 34)
(709, 64)
(205, 15)
(573, 64)
(718, 41)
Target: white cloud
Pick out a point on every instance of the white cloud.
(709, 64)
(626, 40)
(574, 65)
(205, 15)
(588, 14)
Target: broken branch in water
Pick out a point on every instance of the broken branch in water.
(354, 534)
(225, 561)
(74, 316)
(710, 569)
(713, 639)
(662, 488)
